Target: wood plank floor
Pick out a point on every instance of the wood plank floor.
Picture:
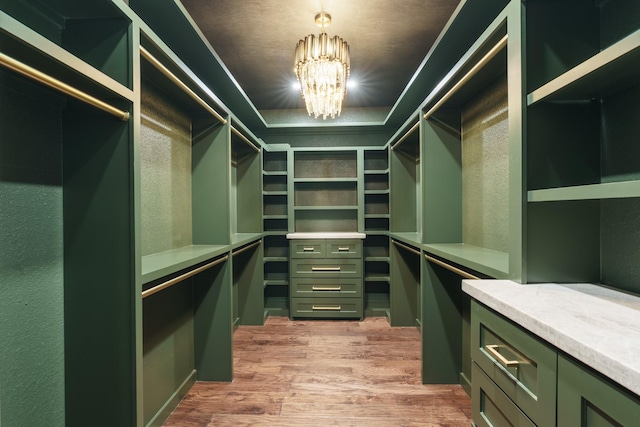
(324, 373)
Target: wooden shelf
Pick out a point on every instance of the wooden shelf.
(158, 265)
(606, 73)
(274, 173)
(325, 180)
(486, 261)
(610, 190)
(325, 208)
(275, 193)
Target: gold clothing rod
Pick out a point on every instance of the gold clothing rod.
(246, 248)
(54, 83)
(407, 247)
(405, 136)
(180, 278)
(472, 72)
(244, 138)
(164, 70)
(451, 268)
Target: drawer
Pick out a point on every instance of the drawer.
(328, 268)
(522, 365)
(330, 308)
(344, 248)
(338, 288)
(314, 248)
(490, 406)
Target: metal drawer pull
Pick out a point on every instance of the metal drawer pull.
(326, 307)
(343, 248)
(326, 288)
(325, 268)
(307, 249)
(493, 350)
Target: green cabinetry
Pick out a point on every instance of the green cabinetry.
(275, 214)
(326, 278)
(585, 398)
(66, 218)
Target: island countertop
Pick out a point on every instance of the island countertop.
(327, 235)
(597, 325)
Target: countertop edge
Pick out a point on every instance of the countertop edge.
(562, 314)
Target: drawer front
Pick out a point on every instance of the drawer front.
(338, 288)
(344, 248)
(315, 248)
(327, 268)
(328, 308)
(490, 406)
(523, 366)
(587, 399)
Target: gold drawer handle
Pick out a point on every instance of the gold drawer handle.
(326, 307)
(307, 249)
(493, 350)
(326, 288)
(342, 249)
(325, 268)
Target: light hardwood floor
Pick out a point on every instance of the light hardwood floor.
(324, 373)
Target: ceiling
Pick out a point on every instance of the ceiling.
(255, 39)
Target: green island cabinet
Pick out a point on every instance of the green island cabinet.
(326, 275)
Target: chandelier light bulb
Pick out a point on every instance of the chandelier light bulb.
(322, 67)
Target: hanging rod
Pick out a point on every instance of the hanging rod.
(246, 248)
(472, 72)
(180, 278)
(244, 138)
(451, 268)
(405, 136)
(407, 247)
(164, 70)
(54, 83)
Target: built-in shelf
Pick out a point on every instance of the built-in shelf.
(483, 260)
(327, 180)
(609, 190)
(376, 171)
(274, 193)
(161, 264)
(324, 208)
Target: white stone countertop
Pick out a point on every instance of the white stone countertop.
(327, 235)
(596, 325)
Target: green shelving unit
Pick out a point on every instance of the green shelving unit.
(66, 309)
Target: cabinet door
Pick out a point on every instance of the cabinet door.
(587, 399)
(315, 248)
(344, 248)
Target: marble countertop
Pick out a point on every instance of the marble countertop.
(596, 325)
(327, 235)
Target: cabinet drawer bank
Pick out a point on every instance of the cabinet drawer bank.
(326, 275)
(554, 354)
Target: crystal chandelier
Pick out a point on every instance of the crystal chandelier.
(322, 68)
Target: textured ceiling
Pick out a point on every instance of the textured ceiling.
(256, 40)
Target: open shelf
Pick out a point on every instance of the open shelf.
(404, 180)
(565, 35)
(95, 32)
(185, 156)
(376, 161)
(611, 190)
(274, 163)
(325, 165)
(468, 148)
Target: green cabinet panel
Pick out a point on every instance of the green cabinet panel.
(491, 407)
(328, 268)
(344, 248)
(523, 366)
(308, 249)
(312, 287)
(331, 308)
(586, 399)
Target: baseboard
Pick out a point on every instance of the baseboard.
(160, 417)
(465, 383)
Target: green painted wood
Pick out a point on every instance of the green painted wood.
(168, 350)
(211, 182)
(248, 277)
(441, 325)
(532, 384)
(326, 268)
(587, 399)
(405, 279)
(247, 183)
(404, 185)
(99, 292)
(32, 307)
(326, 308)
(213, 323)
(442, 186)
